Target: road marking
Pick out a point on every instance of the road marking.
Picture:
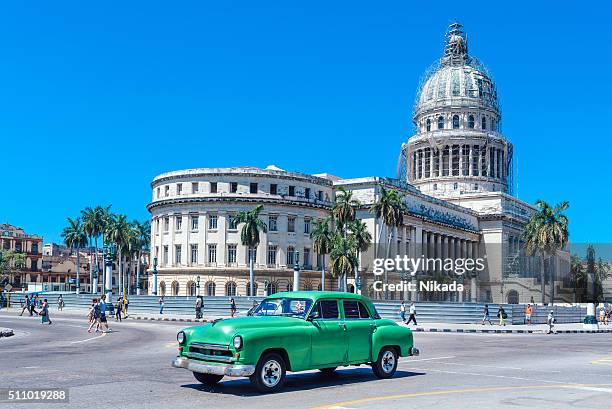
(426, 359)
(607, 360)
(30, 367)
(591, 388)
(500, 367)
(89, 339)
(519, 378)
(455, 391)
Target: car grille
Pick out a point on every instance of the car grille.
(210, 352)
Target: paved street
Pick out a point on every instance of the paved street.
(130, 368)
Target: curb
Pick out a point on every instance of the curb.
(138, 318)
(511, 331)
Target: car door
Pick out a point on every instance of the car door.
(329, 345)
(359, 329)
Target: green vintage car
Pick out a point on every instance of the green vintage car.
(295, 331)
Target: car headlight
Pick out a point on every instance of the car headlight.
(180, 337)
(237, 342)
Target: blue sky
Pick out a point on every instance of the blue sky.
(95, 100)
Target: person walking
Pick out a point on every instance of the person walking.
(198, 307)
(25, 305)
(126, 302)
(119, 309)
(91, 311)
(44, 312)
(162, 303)
(486, 316)
(402, 311)
(232, 307)
(33, 303)
(412, 316)
(551, 321)
(501, 315)
(60, 302)
(94, 315)
(103, 308)
(528, 312)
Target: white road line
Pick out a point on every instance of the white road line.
(590, 388)
(518, 378)
(499, 367)
(425, 359)
(88, 339)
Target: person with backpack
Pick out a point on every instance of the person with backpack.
(501, 315)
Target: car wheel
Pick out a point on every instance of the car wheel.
(328, 371)
(386, 364)
(270, 373)
(207, 379)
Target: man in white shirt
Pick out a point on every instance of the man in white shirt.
(412, 314)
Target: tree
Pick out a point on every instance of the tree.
(545, 233)
(249, 236)
(321, 237)
(363, 238)
(389, 210)
(343, 210)
(578, 275)
(75, 237)
(343, 257)
(94, 223)
(602, 273)
(11, 262)
(118, 232)
(142, 242)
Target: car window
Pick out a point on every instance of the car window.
(363, 311)
(328, 309)
(351, 309)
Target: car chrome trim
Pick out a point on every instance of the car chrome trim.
(220, 369)
(216, 347)
(205, 357)
(414, 351)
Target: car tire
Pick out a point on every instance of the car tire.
(270, 373)
(328, 371)
(207, 379)
(386, 364)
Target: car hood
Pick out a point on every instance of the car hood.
(222, 331)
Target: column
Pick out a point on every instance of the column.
(431, 162)
(439, 251)
(471, 160)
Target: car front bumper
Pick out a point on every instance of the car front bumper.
(213, 369)
(414, 351)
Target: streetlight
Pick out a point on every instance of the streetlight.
(198, 285)
(110, 251)
(154, 271)
(296, 272)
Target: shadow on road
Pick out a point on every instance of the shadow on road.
(299, 382)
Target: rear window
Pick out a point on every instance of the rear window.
(328, 309)
(355, 309)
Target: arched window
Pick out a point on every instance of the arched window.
(289, 287)
(440, 122)
(513, 297)
(162, 288)
(428, 125)
(175, 288)
(210, 289)
(271, 288)
(307, 286)
(492, 124)
(484, 123)
(230, 289)
(471, 121)
(455, 121)
(248, 289)
(191, 289)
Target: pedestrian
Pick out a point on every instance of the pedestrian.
(94, 315)
(126, 302)
(413, 313)
(551, 321)
(602, 315)
(33, 302)
(501, 315)
(119, 309)
(402, 311)
(44, 312)
(91, 312)
(198, 307)
(528, 312)
(232, 307)
(162, 303)
(486, 316)
(60, 302)
(103, 308)
(2, 300)
(532, 301)
(25, 305)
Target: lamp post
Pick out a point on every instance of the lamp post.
(296, 272)
(198, 285)
(110, 251)
(154, 271)
(94, 280)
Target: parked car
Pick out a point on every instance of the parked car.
(295, 331)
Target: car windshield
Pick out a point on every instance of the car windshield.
(291, 307)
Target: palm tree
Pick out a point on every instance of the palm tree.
(142, 234)
(343, 258)
(389, 210)
(249, 236)
(545, 233)
(118, 232)
(89, 226)
(321, 237)
(363, 238)
(343, 210)
(577, 274)
(75, 237)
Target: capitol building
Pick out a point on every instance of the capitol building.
(455, 173)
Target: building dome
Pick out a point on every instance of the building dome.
(457, 80)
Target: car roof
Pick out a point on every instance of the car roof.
(315, 295)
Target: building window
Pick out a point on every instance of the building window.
(165, 259)
(273, 189)
(289, 287)
(248, 289)
(232, 222)
(195, 187)
(178, 223)
(177, 253)
(306, 258)
(230, 289)
(435, 186)
(34, 249)
(233, 187)
(273, 223)
(158, 193)
(475, 186)
(445, 155)
(428, 125)
(212, 222)
(231, 253)
(306, 226)
(167, 191)
(291, 224)
(290, 256)
(213, 187)
(471, 121)
(166, 224)
(475, 155)
(195, 222)
(253, 188)
(272, 256)
(320, 195)
(307, 193)
(484, 123)
(291, 190)
(455, 185)
(465, 160)
(440, 122)
(455, 121)
(492, 124)
(271, 288)
(212, 253)
(179, 188)
(194, 253)
(210, 289)
(175, 288)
